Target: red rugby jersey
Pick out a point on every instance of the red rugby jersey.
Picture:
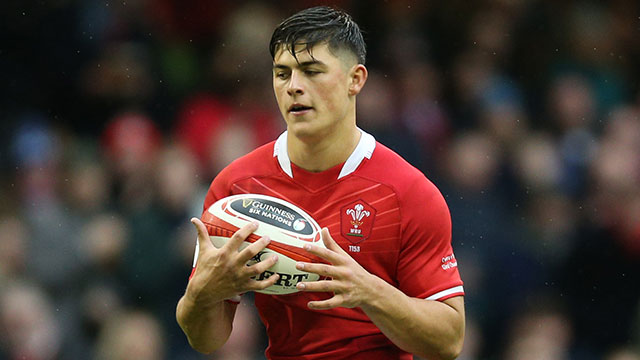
(384, 212)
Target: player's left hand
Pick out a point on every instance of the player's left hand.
(345, 278)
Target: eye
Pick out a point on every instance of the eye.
(311, 72)
(282, 75)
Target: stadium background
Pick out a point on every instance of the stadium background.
(116, 115)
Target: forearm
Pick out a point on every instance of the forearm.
(207, 325)
(431, 329)
(221, 273)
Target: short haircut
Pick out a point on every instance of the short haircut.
(317, 25)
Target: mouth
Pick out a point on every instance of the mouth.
(298, 109)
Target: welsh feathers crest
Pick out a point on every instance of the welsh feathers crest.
(357, 221)
(358, 213)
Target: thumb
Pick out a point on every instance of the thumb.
(204, 241)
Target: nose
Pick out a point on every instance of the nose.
(295, 85)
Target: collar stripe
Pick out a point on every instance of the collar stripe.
(363, 150)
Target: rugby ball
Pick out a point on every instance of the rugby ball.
(288, 227)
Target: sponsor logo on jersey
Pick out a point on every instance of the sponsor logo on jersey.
(449, 262)
(356, 221)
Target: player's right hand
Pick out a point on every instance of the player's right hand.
(222, 273)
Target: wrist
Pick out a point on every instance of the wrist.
(197, 297)
(377, 295)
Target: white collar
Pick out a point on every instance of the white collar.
(364, 149)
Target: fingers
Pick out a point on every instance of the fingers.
(317, 268)
(331, 303)
(339, 298)
(332, 252)
(318, 286)
(252, 250)
(263, 284)
(240, 236)
(329, 243)
(262, 266)
(330, 256)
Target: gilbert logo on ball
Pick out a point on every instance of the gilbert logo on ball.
(288, 226)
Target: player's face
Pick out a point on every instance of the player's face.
(315, 93)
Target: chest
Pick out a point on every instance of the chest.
(362, 216)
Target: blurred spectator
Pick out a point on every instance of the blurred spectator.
(623, 354)
(537, 163)
(177, 181)
(131, 335)
(573, 109)
(377, 106)
(421, 111)
(601, 273)
(539, 336)
(13, 248)
(198, 124)
(105, 237)
(572, 103)
(154, 273)
(501, 112)
(120, 73)
(53, 256)
(35, 150)
(590, 42)
(197, 20)
(473, 162)
(217, 133)
(28, 322)
(87, 189)
(130, 143)
(238, 59)
(490, 241)
(551, 216)
(471, 72)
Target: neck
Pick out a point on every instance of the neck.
(326, 152)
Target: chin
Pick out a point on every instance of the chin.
(303, 130)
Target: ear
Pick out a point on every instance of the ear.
(358, 77)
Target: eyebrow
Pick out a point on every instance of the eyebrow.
(300, 64)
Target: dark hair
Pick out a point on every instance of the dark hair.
(317, 25)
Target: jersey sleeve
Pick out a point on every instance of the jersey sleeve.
(427, 267)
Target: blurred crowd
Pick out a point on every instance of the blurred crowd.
(116, 115)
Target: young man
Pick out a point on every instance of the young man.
(392, 285)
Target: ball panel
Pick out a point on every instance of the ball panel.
(295, 253)
(218, 227)
(289, 228)
(276, 217)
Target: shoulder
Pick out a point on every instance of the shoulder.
(389, 168)
(418, 197)
(258, 162)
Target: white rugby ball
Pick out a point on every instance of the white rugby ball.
(288, 227)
